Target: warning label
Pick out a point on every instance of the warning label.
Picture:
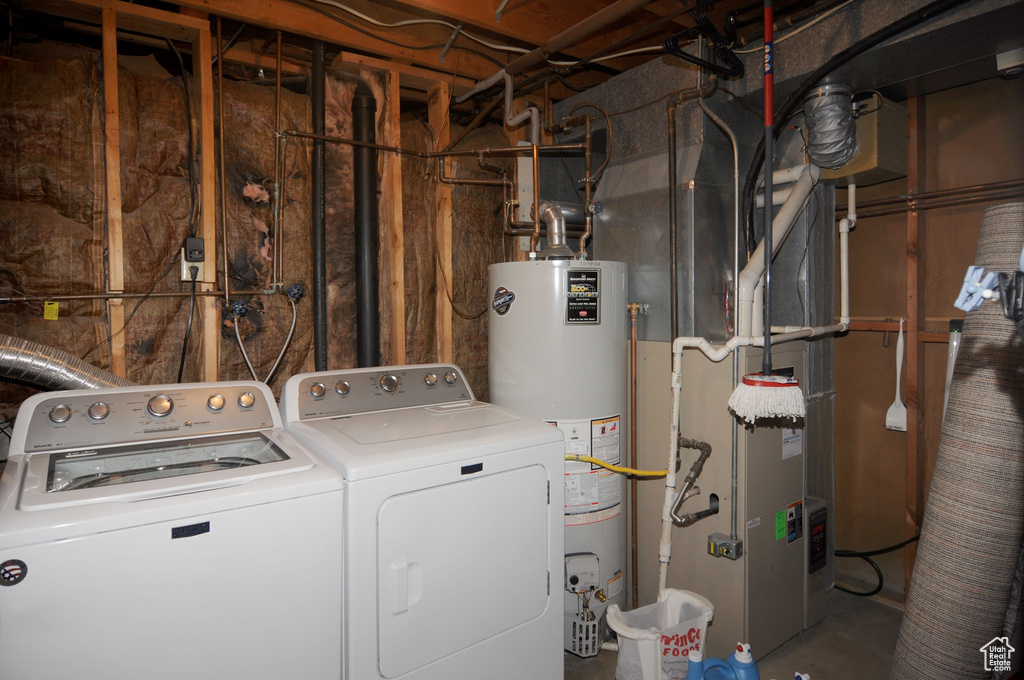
(592, 493)
(789, 523)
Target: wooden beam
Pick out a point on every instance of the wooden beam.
(915, 320)
(536, 22)
(209, 306)
(437, 114)
(112, 154)
(391, 192)
(301, 20)
(129, 17)
(410, 77)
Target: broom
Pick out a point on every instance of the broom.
(764, 395)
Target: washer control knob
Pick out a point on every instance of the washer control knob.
(317, 390)
(216, 402)
(430, 379)
(342, 387)
(99, 411)
(160, 405)
(246, 399)
(451, 377)
(60, 413)
(389, 382)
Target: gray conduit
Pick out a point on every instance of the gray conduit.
(970, 543)
(51, 368)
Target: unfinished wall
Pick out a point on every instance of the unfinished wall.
(477, 241)
(53, 220)
(972, 136)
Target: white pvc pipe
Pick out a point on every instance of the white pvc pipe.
(786, 175)
(845, 226)
(778, 197)
(781, 226)
(665, 545)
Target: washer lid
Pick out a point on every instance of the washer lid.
(387, 442)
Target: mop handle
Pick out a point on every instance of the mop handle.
(769, 165)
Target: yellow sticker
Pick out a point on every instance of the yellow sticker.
(50, 310)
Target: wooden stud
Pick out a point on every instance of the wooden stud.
(391, 190)
(438, 100)
(112, 152)
(410, 77)
(209, 306)
(915, 325)
(301, 20)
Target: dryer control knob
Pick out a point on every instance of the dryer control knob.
(160, 405)
(246, 399)
(317, 390)
(342, 387)
(216, 402)
(99, 411)
(430, 379)
(451, 377)
(389, 382)
(60, 413)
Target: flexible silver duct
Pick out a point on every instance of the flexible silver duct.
(970, 547)
(51, 368)
(831, 129)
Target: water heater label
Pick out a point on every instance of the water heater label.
(582, 296)
(592, 493)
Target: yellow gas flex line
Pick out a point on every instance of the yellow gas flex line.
(616, 468)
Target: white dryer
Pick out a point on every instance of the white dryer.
(167, 532)
(453, 524)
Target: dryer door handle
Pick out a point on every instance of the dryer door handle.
(399, 587)
(405, 587)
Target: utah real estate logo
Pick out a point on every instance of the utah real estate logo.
(997, 653)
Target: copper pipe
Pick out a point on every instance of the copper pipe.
(278, 141)
(473, 182)
(221, 182)
(634, 310)
(535, 237)
(492, 151)
(116, 296)
(588, 215)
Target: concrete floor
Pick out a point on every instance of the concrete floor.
(856, 641)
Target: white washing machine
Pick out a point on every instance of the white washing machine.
(167, 532)
(453, 535)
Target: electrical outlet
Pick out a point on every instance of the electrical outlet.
(186, 275)
(721, 545)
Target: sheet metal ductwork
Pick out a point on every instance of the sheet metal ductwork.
(51, 368)
(970, 548)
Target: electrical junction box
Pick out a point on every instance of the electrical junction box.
(881, 146)
(722, 545)
(582, 572)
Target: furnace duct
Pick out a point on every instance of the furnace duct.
(51, 368)
(831, 129)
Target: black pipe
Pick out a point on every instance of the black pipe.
(318, 102)
(364, 170)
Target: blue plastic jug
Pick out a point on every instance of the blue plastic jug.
(739, 666)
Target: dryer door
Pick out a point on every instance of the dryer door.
(436, 595)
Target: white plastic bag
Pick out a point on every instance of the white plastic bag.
(655, 641)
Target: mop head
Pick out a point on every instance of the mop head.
(767, 396)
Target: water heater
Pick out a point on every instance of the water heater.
(559, 351)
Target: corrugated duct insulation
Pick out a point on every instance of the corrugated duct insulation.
(961, 593)
(51, 368)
